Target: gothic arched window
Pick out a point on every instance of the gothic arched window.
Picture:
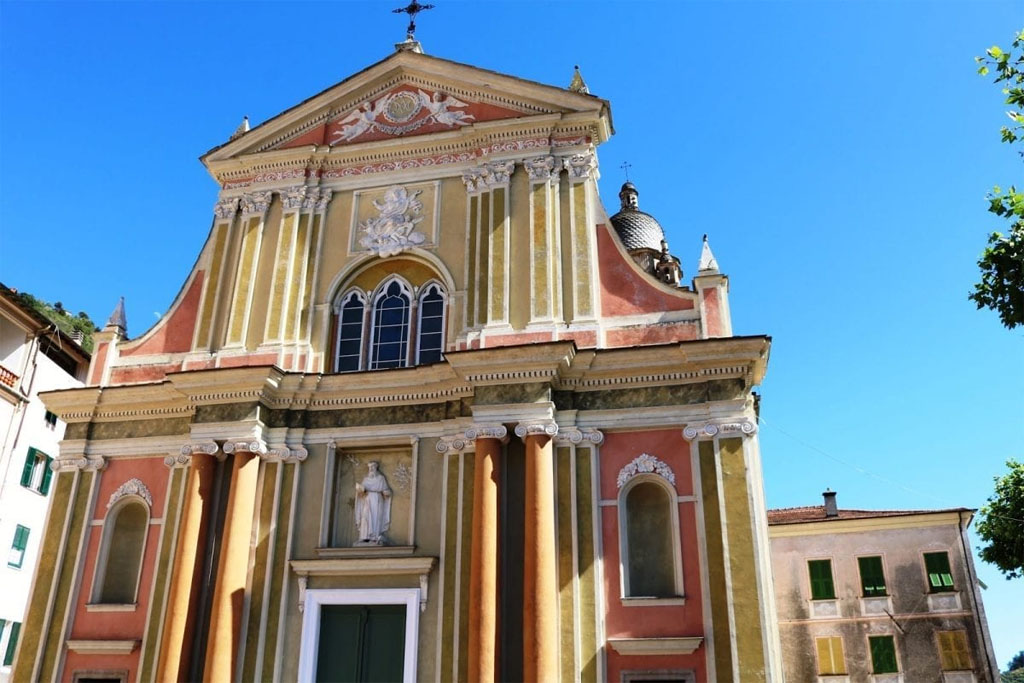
(120, 558)
(389, 340)
(349, 351)
(431, 325)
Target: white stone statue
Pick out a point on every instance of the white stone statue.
(373, 507)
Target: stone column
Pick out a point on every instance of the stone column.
(183, 598)
(540, 578)
(229, 589)
(483, 565)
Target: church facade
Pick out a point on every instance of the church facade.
(421, 411)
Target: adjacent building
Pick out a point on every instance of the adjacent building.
(34, 357)
(421, 411)
(878, 595)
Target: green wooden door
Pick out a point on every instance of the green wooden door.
(361, 643)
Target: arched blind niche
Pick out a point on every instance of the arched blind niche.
(124, 539)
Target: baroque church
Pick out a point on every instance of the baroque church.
(422, 411)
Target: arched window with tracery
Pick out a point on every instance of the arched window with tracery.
(120, 558)
(389, 339)
(430, 325)
(349, 349)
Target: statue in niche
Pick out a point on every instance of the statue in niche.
(373, 507)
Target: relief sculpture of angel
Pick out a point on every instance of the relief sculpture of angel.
(359, 121)
(441, 109)
(394, 230)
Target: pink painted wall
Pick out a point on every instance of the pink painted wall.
(618, 450)
(173, 334)
(713, 312)
(625, 290)
(118, 625)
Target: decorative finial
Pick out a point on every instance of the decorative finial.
(412, 9)
(117, 319)
(625, 168)
(707, 265)
(577, 84)
(242, 129)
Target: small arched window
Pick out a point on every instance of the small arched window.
(350, 333)
(431, 325)
(389, 347)
(120, 562)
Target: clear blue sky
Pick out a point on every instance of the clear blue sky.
(837, 154)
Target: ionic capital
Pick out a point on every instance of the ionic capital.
(256, 202)
(581, 166)
(537, 428)
(574, 435)
(285, 455)
(226, 208)
(446, 445)
(253, 446)
(90, 463)
(483, 431)
(183, 458)
(709, 430)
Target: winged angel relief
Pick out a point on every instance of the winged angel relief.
(398, 111)
(394, 230)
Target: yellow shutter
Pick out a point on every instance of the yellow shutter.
(830, 656)
(953, 650)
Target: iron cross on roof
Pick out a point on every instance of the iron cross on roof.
(412, 9)
(625, 167)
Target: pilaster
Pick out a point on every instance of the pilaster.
(254, 210)
(491, 181)
(582, 173)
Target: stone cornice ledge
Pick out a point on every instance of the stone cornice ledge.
(685, 645)
(388, 565)
(103, 647)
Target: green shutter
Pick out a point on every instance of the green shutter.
(12, 644)
(883, 655)
(361, 643)
(44, 485)
(821, 580)
(939, 576)
(872, 577)
(30, 466)
(17, 555)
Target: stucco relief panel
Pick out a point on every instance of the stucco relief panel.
(393, 219)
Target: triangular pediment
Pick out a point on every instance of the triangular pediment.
(403, 96)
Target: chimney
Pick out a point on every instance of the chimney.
(830, 503)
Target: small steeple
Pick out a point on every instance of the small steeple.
(577, 84)
(708, 265)
(117, 320)
(242, 129)
(628, 196)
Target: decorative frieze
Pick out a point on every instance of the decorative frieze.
(132, 487)
(241, 446)
(541, 169)
(712, 429)
(256, 202)
(645, 463)
(576, 436)
(581, 166)
(537, 428)
(293, 198)
(226, 208)
(91, 463)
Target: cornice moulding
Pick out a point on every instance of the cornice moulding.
(102, 647)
